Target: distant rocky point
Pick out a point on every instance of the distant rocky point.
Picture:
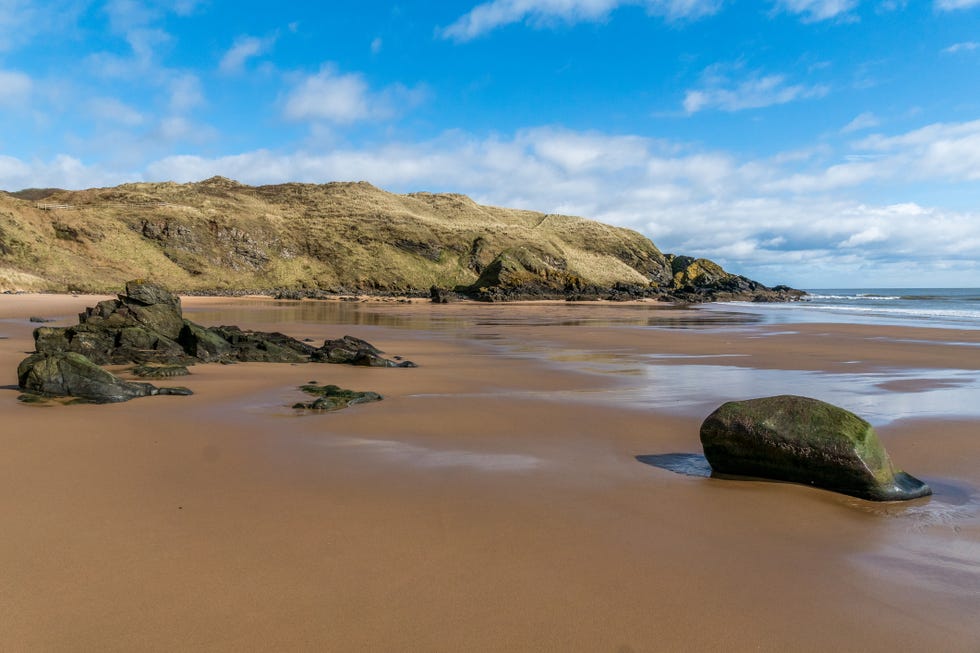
(306, 240)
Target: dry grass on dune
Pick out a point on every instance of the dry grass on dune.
(222, 235)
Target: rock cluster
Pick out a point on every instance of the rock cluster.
(145, 326)
(804, 440)
(523, 273)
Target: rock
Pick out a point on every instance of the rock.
(354, 351)
(69, 374)
(260, 346)
(142, 325)
(159, 371)
(702, 280)
(39, 320)
(203, 344)
(803, 440)
(442, 296)
(331, 397)
(140, 292)
(145, 325)
(522, 273)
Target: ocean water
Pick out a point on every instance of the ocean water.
(954, 308)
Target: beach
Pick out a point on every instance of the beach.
(500, 498)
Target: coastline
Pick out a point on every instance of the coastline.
(492, 501)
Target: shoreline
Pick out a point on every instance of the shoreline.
(492, 501)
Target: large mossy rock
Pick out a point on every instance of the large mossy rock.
(69, 374)
(803, 440)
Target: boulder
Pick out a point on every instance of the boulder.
(803, 440)
(69, 374)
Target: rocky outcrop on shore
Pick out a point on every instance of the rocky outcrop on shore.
(523, 274)
(307, 240)
(145, 324)
(804, 440)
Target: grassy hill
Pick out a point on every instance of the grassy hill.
(219, 235)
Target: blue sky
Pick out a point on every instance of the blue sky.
(819, 143)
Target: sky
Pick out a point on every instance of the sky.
(817, 143)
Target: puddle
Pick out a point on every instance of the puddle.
(688, 464)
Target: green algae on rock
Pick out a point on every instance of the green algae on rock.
(804, 440)
(332, 397)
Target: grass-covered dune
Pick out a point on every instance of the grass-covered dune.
(301, 239)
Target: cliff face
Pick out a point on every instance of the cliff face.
(301, 239)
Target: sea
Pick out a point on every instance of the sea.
(953, 308)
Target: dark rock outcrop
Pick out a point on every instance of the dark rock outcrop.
(523, 273)
(69, 374)
(261, 346)
(145, 324)
(442, 296)
(803, 440)
(354, 351)
(331, 397)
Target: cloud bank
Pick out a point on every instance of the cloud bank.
(786, 218)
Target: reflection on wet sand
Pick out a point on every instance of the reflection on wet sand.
(458, 317)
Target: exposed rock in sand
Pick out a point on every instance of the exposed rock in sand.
(331, 397)
(803, 440)
(68, 374)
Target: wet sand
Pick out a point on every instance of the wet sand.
(492, 502)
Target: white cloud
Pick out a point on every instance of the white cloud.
(720, 91)
(173, 129)
(15, 88)
(543, 13)
(951, 5)
(345, 98)
(61, 172)
(949, 151)
(244, 48)
(113, 111)
(966, 46)
(376, 45)
(862, 121)
(787, 218)
(817, 10)
(331, 96)
(185, 93)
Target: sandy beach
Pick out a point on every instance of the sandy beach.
(496, 500)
